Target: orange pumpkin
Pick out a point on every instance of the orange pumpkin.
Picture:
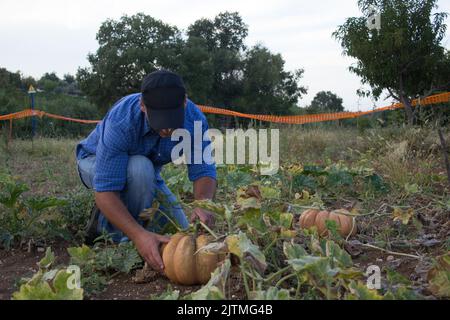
(182, 265)
(317, 218)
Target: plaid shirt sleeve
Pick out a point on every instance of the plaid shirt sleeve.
(205, 168)
(111, 161)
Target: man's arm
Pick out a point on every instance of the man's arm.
(204, 189)
(147, 243)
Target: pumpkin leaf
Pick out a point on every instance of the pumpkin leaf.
(403, 215)
(339, 255)
(359, 291)
(213, 247)
(210, 206)
(270, 193)
(169, 294)
(47, 260)
(439, 277)
(241, 246)
(249, 198)
(293, 250)
(39, 288)
(215, 288)
(271, 293)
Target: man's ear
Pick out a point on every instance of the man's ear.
(142, 105)
(185, 101)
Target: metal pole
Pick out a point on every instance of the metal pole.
(33, 118)
(31, 92)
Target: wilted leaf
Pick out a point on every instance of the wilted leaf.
(215, 288)
(403, 215)
(439, 277)
(241, 246)
(210, 206)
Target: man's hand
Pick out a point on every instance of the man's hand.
(205, 216)
(147, 244)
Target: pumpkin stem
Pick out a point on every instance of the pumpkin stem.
(209, 230)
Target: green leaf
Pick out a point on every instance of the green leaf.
(271, 293)
(81, 255)
(169, 294)
(359, 291)
(270, 193)
(38, 288)
(47, 260)
(339, 178)
(293, 250)
(39, 204)
(339, 256)
(301, 182)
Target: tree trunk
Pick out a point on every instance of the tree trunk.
(408, 109)
(406, 102)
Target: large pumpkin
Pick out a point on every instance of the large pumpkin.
(317, 218)
(182, 265)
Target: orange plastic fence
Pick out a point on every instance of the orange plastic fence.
(301, 119)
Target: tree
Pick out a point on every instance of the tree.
(9, 79)
(49, 82)
(223, 39)
(325, 101)
(404, 56)
(128, 49)
(267, 87)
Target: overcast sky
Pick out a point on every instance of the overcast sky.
(54, 35)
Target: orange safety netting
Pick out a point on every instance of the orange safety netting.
(300, 119)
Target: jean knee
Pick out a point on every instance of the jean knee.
(140, 172)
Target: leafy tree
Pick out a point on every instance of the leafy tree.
(223, 38)
(404, 56)
(325, 101)
(226, 31)
(9, 79)
(68, 78)
(49, 82)
(129, 49)
(267, 87)
(197, 70)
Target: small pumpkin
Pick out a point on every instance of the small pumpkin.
(183, 265)
(317, 218)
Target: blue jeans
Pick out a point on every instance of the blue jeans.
(142, 187)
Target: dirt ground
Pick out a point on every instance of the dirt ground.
(20, 263)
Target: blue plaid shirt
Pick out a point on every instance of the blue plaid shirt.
(125, 132)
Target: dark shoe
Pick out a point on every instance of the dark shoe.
(91, 227)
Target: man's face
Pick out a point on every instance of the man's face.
(163, 133)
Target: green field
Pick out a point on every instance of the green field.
(392, 180)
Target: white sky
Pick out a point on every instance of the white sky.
(54, 35)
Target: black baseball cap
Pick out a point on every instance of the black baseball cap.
(163, 93)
